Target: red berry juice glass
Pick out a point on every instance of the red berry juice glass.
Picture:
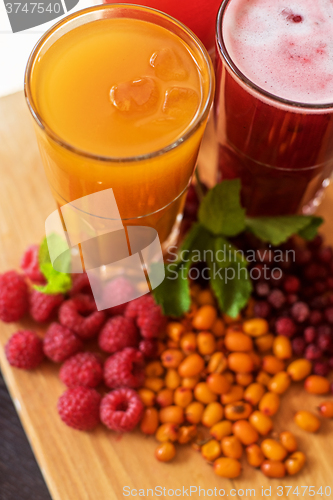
(281, 150)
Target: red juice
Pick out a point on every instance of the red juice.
(274, 102)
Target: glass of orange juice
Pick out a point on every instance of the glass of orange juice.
(120, 96)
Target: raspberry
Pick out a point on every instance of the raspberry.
(309, 334)
(325, 255)
(324, 341)
(276, 298)
(124, 369)
(13, 297)
(24, 350)
(117, 333)
(84, 369)
(120, 290)
(60, 343)
(43, 306)
(30, 265)
(315, 317)
(80, 315)
(121, 410)
(291, 284)
(148, 316)
(262, 289)
(149, 348)
(285, 326)
(298, 345)
(300, 311)
(80, 284)
(321, 368)
(329, 314)
(312, 352)
(78, 407)
(262, 309)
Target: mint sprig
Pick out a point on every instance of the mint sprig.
(221, 216)
(57, 282)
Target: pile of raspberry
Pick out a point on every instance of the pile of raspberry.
(102, 381)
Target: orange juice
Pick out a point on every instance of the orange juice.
(121, 102)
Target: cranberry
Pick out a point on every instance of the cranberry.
(285, 326)
(315, 317)
(276, 298)
(262, 309)
(302, 256)
(324, 341)
(309, 334)
(262, 289)
(291, 284)
(300, 311)
(292, 298)
(329, 314)
(312, 352)
(321, 368)
(325, 255)
(298, 345)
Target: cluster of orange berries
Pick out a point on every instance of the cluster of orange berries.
(215, 386)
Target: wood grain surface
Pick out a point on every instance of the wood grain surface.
(99, 464)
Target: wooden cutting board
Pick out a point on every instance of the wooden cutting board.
(98, 465)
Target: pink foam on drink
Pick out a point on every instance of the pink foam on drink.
(283, 46)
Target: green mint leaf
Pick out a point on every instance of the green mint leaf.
(277, 230)
(43, 254)
(221, 212)
(173, 294)
(56, 282)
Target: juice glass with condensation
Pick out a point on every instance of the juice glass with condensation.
(274, 101)
(120, 95)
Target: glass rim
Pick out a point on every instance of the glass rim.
(238, 73)
(194, 124)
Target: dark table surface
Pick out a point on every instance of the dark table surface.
(20, 477)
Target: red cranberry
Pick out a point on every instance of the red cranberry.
(324, 341)
(298, 345)
(315, 317)
(309, 334)
(302, 256)
(262, 289)
(285, 326)
(321, 368)
(325, 255)
(312, 352)
(262, 309)
(276, 298)
(292, 298)
(329, 314)
(291, 284)
(300, 311)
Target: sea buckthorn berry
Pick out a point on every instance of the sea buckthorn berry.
(282, 348)
(273, 468)
(171, 358)
(299, 369)
(253, 393)
(218, 363)
(172, 414)
(256, 360)
(150, 421)
(206, 343)
(154, 369)
(263, 378)
(221, 429)
(190, 382)
(219, 345)
(165, 452)
(244, 379)
(194, 412)
(218, 383)
(231, 447)
(265, 342)
(326, 409)
(238, 410)
(206, 297)
(147, 396)
(191, 366)
(186, 433)
(211, 450)
(288, 441)
(212, 414)
(172, 378)
(240, 362)
(218, 328)
(204, 318)
(165, 397)
(182, 396)
(154, 383)
(315, 384)
(279, 383)
(262, 423)
(229, 320)
(229, 376)
(307, 421)
(272, 365)
(273, 450)
(235, 394)
(227, 467)
(175, 330)
(255, 327)
(171, 344)
(167, 432)
(295, 463)
(203, 393)
(269, 403)
(245, 432)
(238, 341)
(188, 343)
(254, 455)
